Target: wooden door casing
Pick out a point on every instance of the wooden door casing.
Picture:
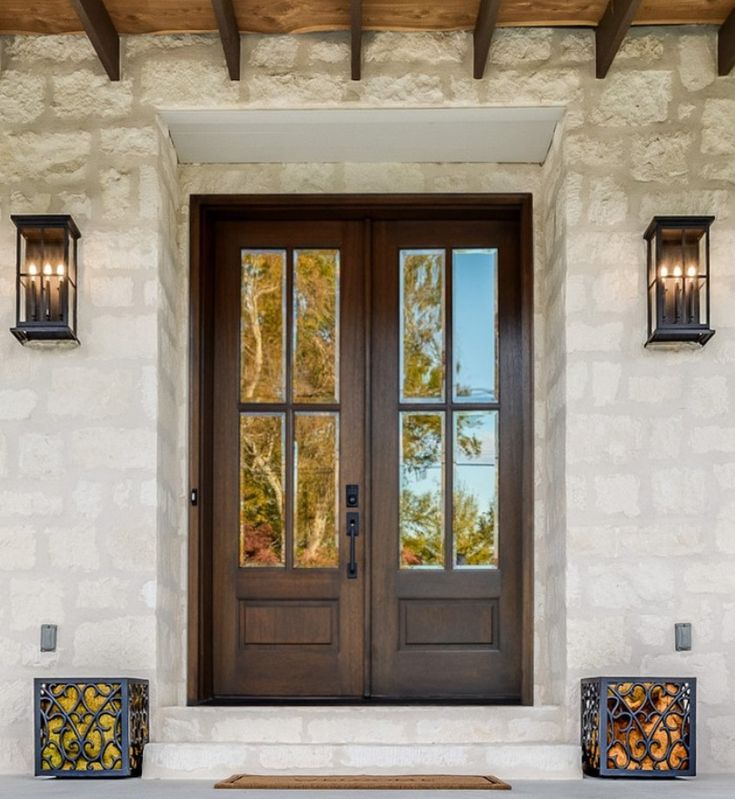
(210, 216)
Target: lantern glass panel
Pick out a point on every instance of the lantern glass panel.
(681, 272)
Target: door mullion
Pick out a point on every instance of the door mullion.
(448, 426)
(289, 444)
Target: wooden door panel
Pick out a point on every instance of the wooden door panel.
(443, 631)
(290, 628)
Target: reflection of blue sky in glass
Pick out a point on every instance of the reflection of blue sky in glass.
(475, 475)
(474, 294)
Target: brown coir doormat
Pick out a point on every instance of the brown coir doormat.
(421, 782)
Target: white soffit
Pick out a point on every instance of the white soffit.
(461, 135)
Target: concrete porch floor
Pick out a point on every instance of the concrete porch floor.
(708, 787)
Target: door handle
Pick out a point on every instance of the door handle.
(353, 530)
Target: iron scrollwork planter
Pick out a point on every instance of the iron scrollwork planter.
(90, 727)
(639, 726)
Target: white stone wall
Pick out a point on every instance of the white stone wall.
(635, 449)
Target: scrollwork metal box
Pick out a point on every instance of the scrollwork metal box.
(639, 726)
(90, 727)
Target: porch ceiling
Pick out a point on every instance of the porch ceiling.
(105, 20)
(300, 16)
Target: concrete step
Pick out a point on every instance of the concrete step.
(360, 724)
(212, 761)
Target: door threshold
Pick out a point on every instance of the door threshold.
(328, 701)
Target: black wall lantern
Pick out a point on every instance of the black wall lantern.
(678, 279)
(46, 287)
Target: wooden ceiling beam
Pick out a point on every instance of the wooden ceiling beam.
(611, 30)
(487, 17)
(726, 45)
(101, 32)
(229, 33)
(356, 37)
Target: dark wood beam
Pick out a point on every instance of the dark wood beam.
(611, 30)
(356, 37)
(726, 45)
(101, 32)
(229, 33)
(487, 16)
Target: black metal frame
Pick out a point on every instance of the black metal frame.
(131, 725)
(658, 333)
(43, 331)
(597, 717)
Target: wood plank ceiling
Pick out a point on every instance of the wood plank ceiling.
(105, 20)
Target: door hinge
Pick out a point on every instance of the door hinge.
(194, 496)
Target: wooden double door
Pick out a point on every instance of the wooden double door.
(367, 458)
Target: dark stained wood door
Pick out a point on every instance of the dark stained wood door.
(448, 393)
(375, 351)
(288, 420)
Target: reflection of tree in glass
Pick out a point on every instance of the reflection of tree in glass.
(261, 326)
(261, 491)
(315, 529)
(423, 342)
(421, 511)
(315, 311)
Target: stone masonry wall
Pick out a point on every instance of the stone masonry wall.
(635, 448)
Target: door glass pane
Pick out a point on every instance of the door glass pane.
(474, 325)
(421, 515)
(422, 325)
(315, 493)
(475, 500)
(262, 326)
(262, 506)
(316, 326)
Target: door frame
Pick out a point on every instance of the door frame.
(205, 212)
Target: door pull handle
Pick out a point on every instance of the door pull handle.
(353, 530)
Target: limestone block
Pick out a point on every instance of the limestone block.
(156, 44)
(602, 438)
(88, 497)
(648, 47)
(577, 47)
(187, 83)
(90, 93)
(697, 61)
(132, 546)
(111, 292)
(55, 157)
(72, 49)
(113, 447)
(718, 126)
(29, 503)
(438, 47)
(725, 528)
(17, 548)
(582, 337)
(3, 456)
(629, 583)
(725, 475)
(713, 439)
(73, 549)
(711, 578)
(577, 380)
(598, 644)
(128, 642)
(10, 652)
(34, 601)
(328, 50)
(540, 87)
(131, 249)
(721, 729)
(617, 493)
(129, 142)
(720, 168)
(661, 156)
(273, 53)
(78, 204)
(605, 382)
(108, 593)
(654, 388)
(131, 336)
(116, 191)
(90, 392)
(679, 491)
(21, 96)
(17, 403)
(708, 396)
(411, 88)
(379, 177)
(665, 435)
(608, 202)
(14, 701)
(511, 46)
(41, 454)
(633, 99)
